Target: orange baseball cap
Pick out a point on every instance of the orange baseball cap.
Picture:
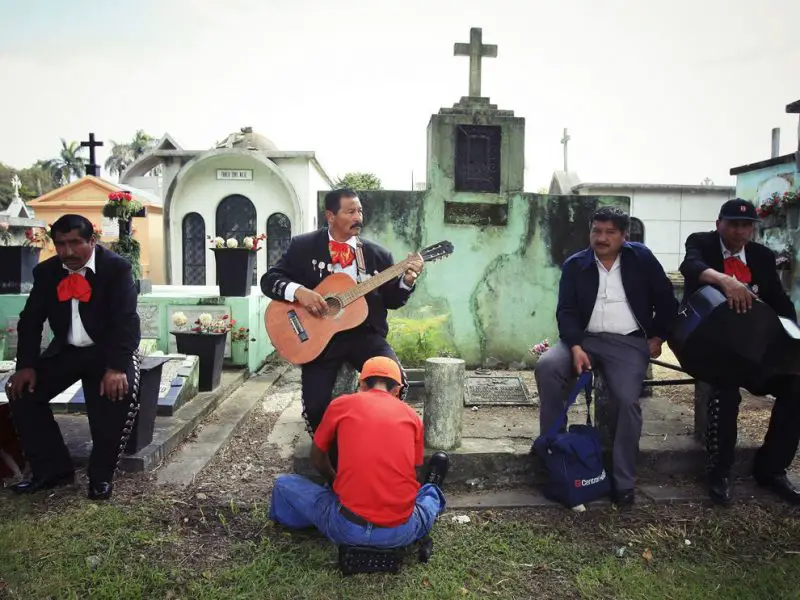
(381, 366)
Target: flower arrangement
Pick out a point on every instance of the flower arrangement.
(5, 234)
(538, 349)
(205, 324)
(776, 204)
(37, 237)
(784, 257)
(122, 206)
(251, 243)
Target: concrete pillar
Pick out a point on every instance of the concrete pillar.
(444, 402)
(346, 381)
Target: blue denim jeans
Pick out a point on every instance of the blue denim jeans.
(298, 503)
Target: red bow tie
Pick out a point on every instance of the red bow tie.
(734, 267)
(341, 253)
(74, 286)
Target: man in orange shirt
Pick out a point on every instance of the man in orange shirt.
(374, 499)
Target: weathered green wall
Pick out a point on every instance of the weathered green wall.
(499, 289)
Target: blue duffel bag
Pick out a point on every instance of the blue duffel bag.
(574, 459)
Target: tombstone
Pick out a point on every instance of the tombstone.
(18, 256)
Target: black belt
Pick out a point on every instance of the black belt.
(356, 519)
(637, 333)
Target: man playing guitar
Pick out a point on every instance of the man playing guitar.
(313, 256)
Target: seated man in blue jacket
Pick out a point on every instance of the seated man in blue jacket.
(615, 308)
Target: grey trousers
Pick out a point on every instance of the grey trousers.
(624, 361)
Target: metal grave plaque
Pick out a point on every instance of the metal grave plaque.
(497, 390)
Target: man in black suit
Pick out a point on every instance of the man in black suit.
(743, 270)
(310, 258)
(87, 294)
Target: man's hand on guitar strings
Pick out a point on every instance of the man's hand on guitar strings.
(311, 301)
(415, 266)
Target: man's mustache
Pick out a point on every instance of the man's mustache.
(356, 226)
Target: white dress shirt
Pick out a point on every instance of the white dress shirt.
(77, 335)
(612, 313)
(727, 253)
(351, 270)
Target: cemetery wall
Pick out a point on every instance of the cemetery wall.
(496, 295)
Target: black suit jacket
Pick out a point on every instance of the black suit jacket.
(110, 316)
(296, 266)
(703, 251)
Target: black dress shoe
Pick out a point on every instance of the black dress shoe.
(31, 486)
(101, 490)
(779, 484)
(719, 488)
(623, 497)
(438, 465)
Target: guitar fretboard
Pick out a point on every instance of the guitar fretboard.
(374, 282)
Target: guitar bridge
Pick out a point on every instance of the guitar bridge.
(298, 328)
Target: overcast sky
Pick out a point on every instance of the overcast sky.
(651, 90)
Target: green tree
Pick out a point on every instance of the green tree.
(359, 181)
(123, 155)
(70, 163)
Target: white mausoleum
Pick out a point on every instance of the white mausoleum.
(243, 186)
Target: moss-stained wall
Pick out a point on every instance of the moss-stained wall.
(498, 291)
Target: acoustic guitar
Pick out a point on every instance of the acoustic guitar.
(300, 337)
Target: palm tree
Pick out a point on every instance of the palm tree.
(68, 164)
(123, 155)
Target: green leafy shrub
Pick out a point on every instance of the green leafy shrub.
(415, 340)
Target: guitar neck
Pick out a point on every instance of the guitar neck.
(374, 282)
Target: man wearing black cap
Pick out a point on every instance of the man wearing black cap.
(744, 270)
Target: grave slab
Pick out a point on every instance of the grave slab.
(179, 381)
(168, 434)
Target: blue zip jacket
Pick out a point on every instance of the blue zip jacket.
(648, 289)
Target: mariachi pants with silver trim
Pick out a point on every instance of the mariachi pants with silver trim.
(783, 434)
(110, 422)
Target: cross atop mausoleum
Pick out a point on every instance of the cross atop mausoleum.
(92, 168)
(476, 50)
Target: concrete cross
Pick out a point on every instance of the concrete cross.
(476, 51)
(16, 184)
(92, 168)
(565, 140)
(794, 108)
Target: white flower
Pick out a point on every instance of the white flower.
(205, 319)
(219, 242)
(248, 242)
(179, 319)
(231, 243)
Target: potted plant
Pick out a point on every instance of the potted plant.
(122, 206)
(235, 263)
(206, 340)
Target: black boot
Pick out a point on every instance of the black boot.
(438, 465)
(719, 489)
(35, 484)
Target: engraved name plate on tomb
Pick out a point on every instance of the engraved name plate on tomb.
(477, 167)
(500, 390)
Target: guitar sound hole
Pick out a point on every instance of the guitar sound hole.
(334, 305)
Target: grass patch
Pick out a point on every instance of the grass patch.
(162, 548)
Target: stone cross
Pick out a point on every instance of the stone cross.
(565, 140)
(92, 168)
(476, 51)
(16, 184)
